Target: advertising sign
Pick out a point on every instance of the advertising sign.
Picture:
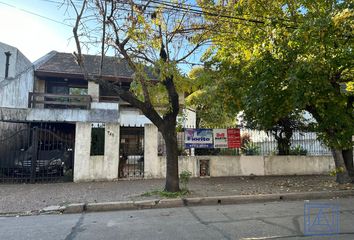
(198, 138)
(220, 138)
(233, 138)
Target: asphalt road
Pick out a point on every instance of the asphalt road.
(276, 220)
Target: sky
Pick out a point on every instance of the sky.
(36, 27)
(35, 36)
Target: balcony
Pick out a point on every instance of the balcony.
(59, 101)
(45, 107)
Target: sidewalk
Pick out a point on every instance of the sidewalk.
(16, 198)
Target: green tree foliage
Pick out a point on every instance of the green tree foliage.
(212, 102)
(287, 57)
(153, 38)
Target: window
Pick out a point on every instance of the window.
(77, 91)
(63, 89)
(97, 140)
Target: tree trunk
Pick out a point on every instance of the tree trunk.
(283, 146)
(348, 160)
(342, 175)
(170, 135)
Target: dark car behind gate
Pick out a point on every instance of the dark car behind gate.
(37, 154)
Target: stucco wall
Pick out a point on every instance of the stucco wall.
(287, 165)
(96, 168)
(14, 89)
(14, 92)
(189, 118)
(221, 166)
(12, 63)
(58, 115)
(152, 165)
(132, 117)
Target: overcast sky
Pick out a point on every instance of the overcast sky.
(34, 36)
(37, 27)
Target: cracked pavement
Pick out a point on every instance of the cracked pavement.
(275, 220)
(33, 197)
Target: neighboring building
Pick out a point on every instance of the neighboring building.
(16, 80)
(16, 77)
(110, 138)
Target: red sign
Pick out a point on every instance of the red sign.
(233, 138)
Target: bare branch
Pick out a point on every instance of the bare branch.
(76, 36)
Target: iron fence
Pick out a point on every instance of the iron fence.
(261, 143)
(37, 153)
(301, 143)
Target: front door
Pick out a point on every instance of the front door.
(131, 161)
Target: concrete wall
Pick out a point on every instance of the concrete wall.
(151, 160)
(221, 166)
(91, 168)
(287, 165)
(132, 117)
(14, 92)
(14, 89)
(58, 115)
(189, 118)
(12, 63)
(93, 89)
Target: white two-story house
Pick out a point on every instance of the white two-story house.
(96, 135)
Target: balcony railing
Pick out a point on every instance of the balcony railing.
(58, 101)
(113, 99)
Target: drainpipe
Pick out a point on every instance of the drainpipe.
(8, 54)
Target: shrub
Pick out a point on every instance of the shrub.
(184, 178)
(298, 150)
(250, 148)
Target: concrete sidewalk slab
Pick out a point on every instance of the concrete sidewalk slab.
(79, 197)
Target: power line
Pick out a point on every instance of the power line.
(35, 14)
(189, 8)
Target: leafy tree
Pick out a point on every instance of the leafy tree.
(153, 37)
(287, 57)
(210, 101)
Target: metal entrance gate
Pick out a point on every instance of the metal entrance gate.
(131, 159)
(37, 154)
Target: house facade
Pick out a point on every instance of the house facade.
(56, 125)
(110, 139)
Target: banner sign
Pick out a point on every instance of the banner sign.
(220, 138)
(233, 138)
(198, 138)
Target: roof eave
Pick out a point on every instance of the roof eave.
(41, 73)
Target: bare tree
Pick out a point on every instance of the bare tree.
(153, 37)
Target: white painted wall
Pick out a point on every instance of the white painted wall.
(96, 168)
(288, 165)
(131, 117)
(93, 89)
(14, 90)
(82, 152)
(91, 168)
(189, 118)
(58, 115)
(12, 63)
(151, 161)
(222, 166)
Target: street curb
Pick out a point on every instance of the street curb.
(74, 208)
(193, 201)
(109, 206)
(243, 199)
